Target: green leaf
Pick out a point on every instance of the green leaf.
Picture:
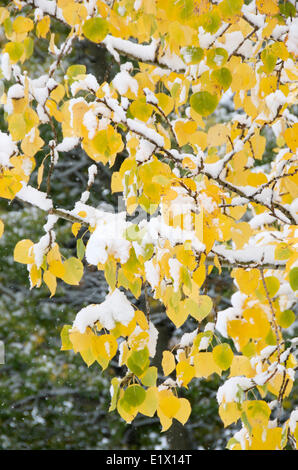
(211, 22)
(223, 77)
(269, 60)
(230, 7)
(193, 55)
(286, 318)
(150, 376)
(96, 29)
(138, 361)
(200, 308)
(287, 9)
(217, 57)
(293, 277)
(134, 396)
(223, 355)
(80, 249)
(66, 343)
(272, 284)
(203, 102)
(75, 70)
(116, 388)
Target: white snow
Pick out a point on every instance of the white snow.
(292, 41)
(123, 81)
(115, 308)
(7, 149)
(108, 236)
(229, 391)
(67, 144)
(35, 197)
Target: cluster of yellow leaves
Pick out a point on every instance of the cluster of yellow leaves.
(70, 270)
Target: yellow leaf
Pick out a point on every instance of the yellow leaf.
(16, 126)
(205, 365)
(229, 413)
(217, 135)
(104, 346)
(50, 281)
(247, 280)
(22, 24)
(21, 252)
(243, 76)
(43, 27)
(168, 362)
(1, 228)
(35, 276)
(184, 373)
(184, 411)
(149, 405)
(75, 228)
(57, 268)
(141, 319)
(241, 366)
(168, 403)
(268, 7)
(74, 271)
(257, 412)
(291, 137)
(81, 341)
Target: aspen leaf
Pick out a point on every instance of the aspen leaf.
(199, 308)
(282, 252)
(268, 439)
(286, 318)
(184, 411)
(66, 344)
(247, 280)
(229, 8)
(141, 319)
(115, 387)
(57, 268)
(80, 341)
(104, 346)
(17, 126)
(291, 137)
(73, 271)
(223, 77)
(223, 355)
(165, 102)
(203, 102)
(229, 413)
(184, 373)
(241, 366)
(50, 281)
(43, 27)
(168, 362)
(268, 7)
(134, 395)
(138, 361)
(149, 377)
(1, 228)
(169, 404)
(15, 50)
(22, 250)
(149, 405)
(293, 278)
(88, 356)
(126, 411)
(257, 412)
(205, 365)
(96, 29)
